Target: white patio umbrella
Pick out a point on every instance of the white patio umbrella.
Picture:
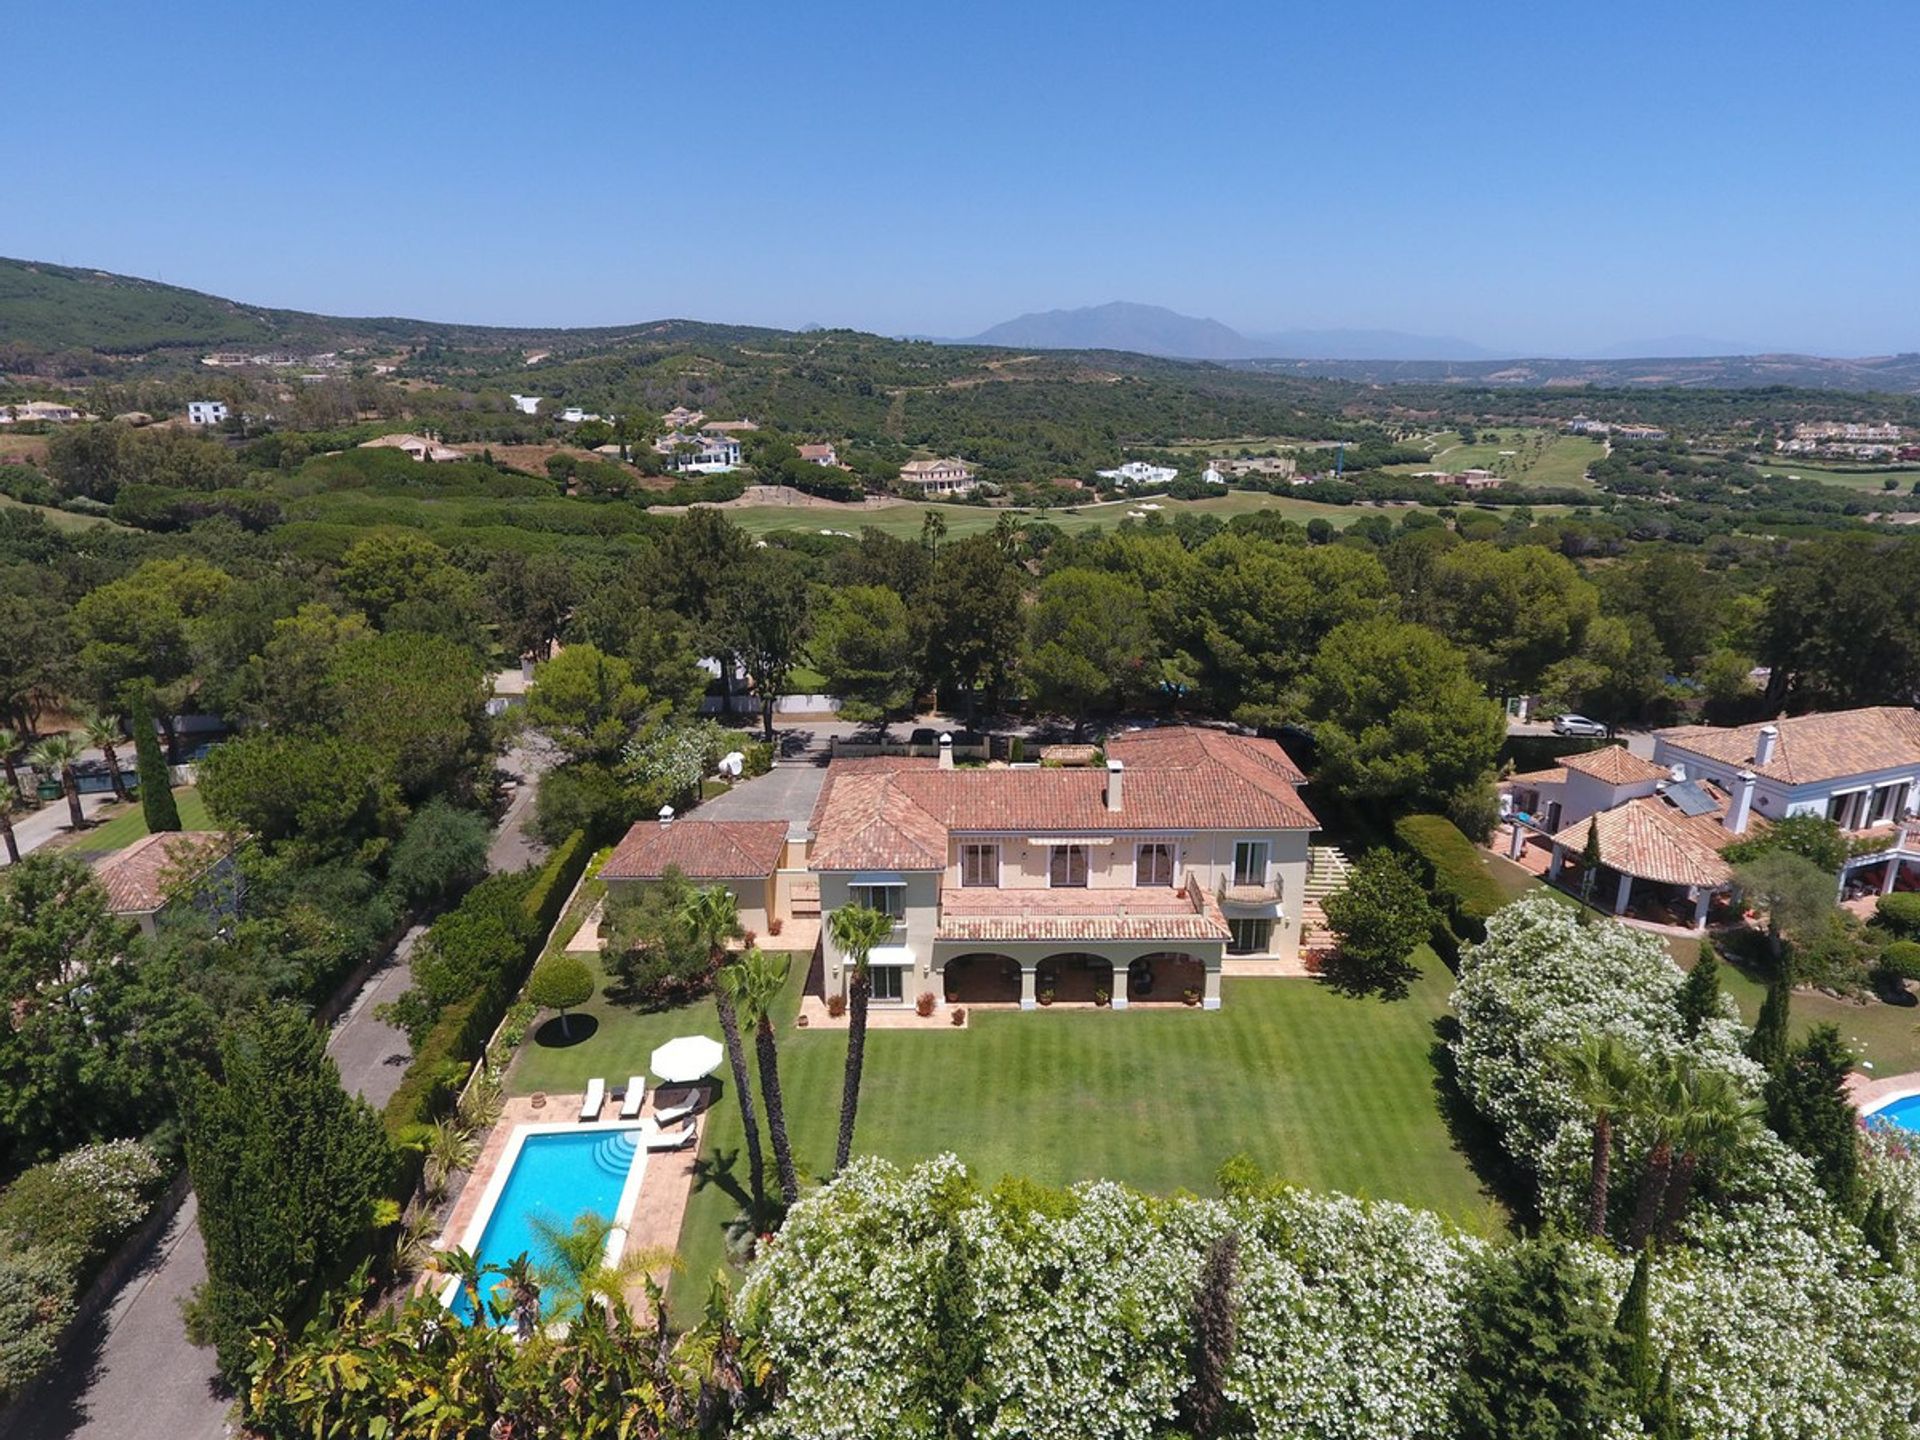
(687, 1058)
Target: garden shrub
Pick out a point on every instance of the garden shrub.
(1457, 872)
(1901, 959)
(439, 855)
(79, 1207)
(1900, 913)
(37, 1297)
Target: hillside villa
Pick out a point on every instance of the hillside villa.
(1663, 823)
(707, 453)
(1013, 884)
(937, 477)
(416, 447)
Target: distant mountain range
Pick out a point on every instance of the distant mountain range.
(1156, 330)
(53, 317)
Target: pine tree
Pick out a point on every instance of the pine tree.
(156, 782)
(1879, 1229)
(1699, 997)
(1768, 1043)
(1214, 1306)
(1808, 1108)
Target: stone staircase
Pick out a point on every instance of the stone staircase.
(1327, 869)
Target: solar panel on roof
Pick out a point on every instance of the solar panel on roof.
(1691, 798)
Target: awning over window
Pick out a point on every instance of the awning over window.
(890, 956)
(1069, 839)
(879, 877)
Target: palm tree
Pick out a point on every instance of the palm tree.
(466, 1267)
(1659, 1104)
(714, 919)
(9, 751)
(855, 930)
(1715, 1117)
(520, 1280)
(103, 731)
(56, 755)
(9, 807)
(576, 1271)
(1606, 1078)
(754, 983)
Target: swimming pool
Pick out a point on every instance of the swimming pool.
(1904, 1112)
(552, 1173)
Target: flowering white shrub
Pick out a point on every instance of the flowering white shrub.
(1080, 1308)
(1539, 984)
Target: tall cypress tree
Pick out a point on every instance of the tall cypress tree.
(286, 1166)
(1635, 1324)
(1808, 1107)
(156, 781)
(1590, 864)
(1700, 996)
(1768, 1043)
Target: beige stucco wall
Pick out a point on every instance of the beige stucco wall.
(753, 895)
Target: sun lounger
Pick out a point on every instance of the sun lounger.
(636, 1095)
(669, 1139)
(675, 1113)
(596, 1097)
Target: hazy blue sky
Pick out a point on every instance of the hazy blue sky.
(1536, 178)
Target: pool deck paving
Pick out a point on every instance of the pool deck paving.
(1866, 1092)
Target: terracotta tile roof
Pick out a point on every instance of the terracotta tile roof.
(1812, 748)
(896, 814)
(1650, 840)
(1554, 775)
(138, 878)
(1082, 914)
(699, 849)
(1614, 765)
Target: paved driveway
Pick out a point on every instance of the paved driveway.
(786, 792)
(133, 1375)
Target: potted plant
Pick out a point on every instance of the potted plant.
(924, 1003)
(775, 925)
(1045, 997)
(1190, 997)
(1102, 996)
(958, 1015)
(836, 1005)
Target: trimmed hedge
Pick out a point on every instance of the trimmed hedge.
(1900, 913)
(526, 906)
(1456, 873)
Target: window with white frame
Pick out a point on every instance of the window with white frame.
(1067, 867)
(1153, 864)
(980, 864)
(1248, 937)
(887, 982)
(1250, 862)
(889, 900)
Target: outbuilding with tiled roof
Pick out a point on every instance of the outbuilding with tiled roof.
(744, 856)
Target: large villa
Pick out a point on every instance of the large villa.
(1132, 881)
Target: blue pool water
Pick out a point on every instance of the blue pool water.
(1905, 1113)
(556, 1177)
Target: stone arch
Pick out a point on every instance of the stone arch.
(982, 978)
(1074, 976)
(1165, 975)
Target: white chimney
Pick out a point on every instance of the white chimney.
(1677, 774)
(946, 752)
(1742, 803)
(1763, 744)
(1115, 770)
(666, 816)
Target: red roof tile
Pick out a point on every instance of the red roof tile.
(1812, 748)
(1614, 765)
(698, 849)
(893, 813)
(138, 878)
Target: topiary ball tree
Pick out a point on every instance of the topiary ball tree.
(561, 983)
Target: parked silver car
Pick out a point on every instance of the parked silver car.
(1580, 727)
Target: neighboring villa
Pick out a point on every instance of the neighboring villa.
(206, 412)
(417, 447)
(681, 418)
(526, 404)
(705, 454)
(1662, 823)
(937, 477)
(146, 880)
(1465, 479)
(45, 411)
(1139, 472)
(819, 455)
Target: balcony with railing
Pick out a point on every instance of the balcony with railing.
(984, 915)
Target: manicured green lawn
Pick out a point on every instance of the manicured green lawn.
(1541, 457)
(1872, 482)
(129, 822)
(904, 518)
(1323, 1089)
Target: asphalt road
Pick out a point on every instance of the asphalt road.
(133, 1375)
